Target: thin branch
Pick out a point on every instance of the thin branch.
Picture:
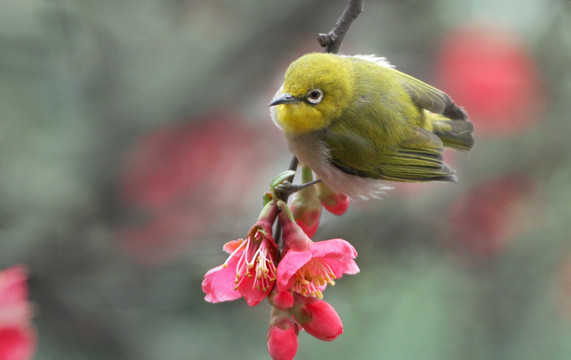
(333, 39)
(278, 230)
(293, 166)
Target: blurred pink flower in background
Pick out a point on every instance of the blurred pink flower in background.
(490, 215)
(491, 73)
(177, 176)
(197, 158)
(17, 336)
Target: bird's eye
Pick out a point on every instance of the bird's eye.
(315, 96)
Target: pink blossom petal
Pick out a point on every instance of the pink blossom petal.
(289, 265)
(250, 292)
(342, 266)
(17, 343)
(17, 336)
(219, 282)
(338, 254)
(231, 246)
(333, 248)
(13, 288)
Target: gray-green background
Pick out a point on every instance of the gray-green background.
(135, 140)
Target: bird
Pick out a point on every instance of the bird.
(360, 124)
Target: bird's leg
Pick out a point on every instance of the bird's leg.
(285, 188)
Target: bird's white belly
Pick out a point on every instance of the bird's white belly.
(311, 151)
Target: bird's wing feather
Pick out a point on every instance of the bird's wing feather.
(418, 158)
(430, 98)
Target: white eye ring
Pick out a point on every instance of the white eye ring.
(314, 96)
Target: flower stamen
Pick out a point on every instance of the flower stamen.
(312, 278)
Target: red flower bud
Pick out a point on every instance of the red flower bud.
(294, 237)
(335, 203)
(282, 336)
(306, 207)
(318, 318)
(282, 300)
(17, 335)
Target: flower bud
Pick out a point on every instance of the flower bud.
(282, 336)
(294, 237)
(335, 203)
(306, 207)
(17, 335)
(282, 300)
(317, 318)
(268, 216)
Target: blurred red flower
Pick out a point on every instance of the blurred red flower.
(197, 158)
(489, 216)
(489, 72)
(177, 176)
(17, 337)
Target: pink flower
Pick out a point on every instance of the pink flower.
(318, 318)
(250, 270)
(282, 336)
(17, 337)
(307, 267)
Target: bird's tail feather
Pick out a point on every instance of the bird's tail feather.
(458, 134)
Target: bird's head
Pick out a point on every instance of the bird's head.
(316, 90)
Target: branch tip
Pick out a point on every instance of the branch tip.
(333, 39)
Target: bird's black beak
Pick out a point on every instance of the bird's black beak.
(286, 98)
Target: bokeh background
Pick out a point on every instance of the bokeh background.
(135, 140)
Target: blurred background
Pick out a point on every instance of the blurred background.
(135, 140)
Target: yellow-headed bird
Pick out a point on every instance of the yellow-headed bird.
(357, 121)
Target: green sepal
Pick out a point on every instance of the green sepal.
(306, 174)
(283, 176)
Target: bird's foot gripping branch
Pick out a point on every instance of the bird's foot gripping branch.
(291, 274)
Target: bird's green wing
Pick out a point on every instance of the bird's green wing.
(418, 158)
(430, 98)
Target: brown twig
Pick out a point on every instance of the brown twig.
(278, 231)
(333, 39)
